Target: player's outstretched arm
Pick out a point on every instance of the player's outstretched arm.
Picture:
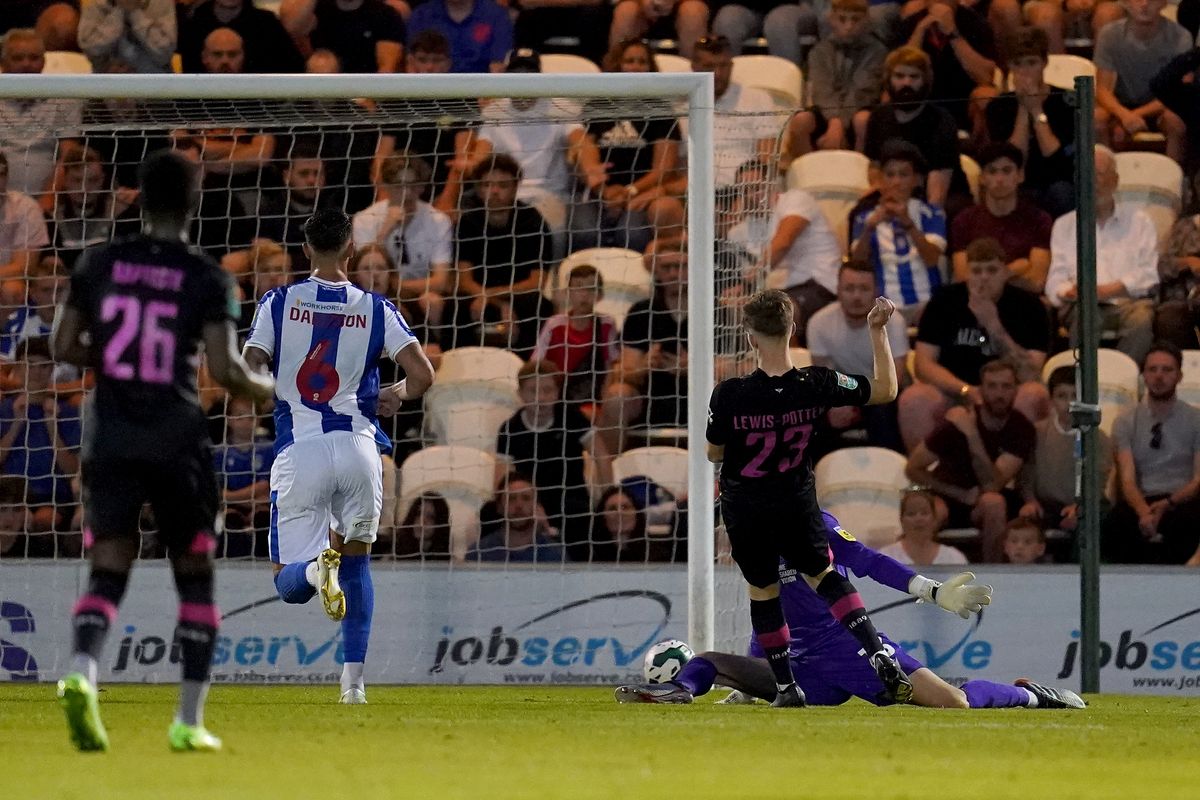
(959, 595)
(229, 369)
(65, 343)
(884, 385)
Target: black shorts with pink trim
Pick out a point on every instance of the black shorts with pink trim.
(182, 494)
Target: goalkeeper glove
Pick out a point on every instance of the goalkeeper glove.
(957, 595)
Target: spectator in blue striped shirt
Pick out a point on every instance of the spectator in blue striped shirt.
(902, 237)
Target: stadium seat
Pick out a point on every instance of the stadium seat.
(1189, 387)
(801, 357)
(64, 62)
(861, 486)
(666, 466)
(474, 393)
(565, 63)
(1118, 378)
(782, 79)
(668, 62)
(626, 279)
(1155, 182)
(971, 169)
(837, 179)
(464, 476)
(1063, 68)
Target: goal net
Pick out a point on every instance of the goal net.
(552, 245)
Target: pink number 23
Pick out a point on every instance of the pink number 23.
(796, 438)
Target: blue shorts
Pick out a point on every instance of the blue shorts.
(833, 676)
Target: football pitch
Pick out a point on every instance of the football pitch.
(500, 742)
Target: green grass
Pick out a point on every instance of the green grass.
(286, 743)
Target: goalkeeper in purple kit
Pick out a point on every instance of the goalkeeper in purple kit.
(828, 662)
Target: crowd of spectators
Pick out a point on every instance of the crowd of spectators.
(465, 217)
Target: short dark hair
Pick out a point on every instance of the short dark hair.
(33, 347)
(1061, 376)
(397, 163)
(900, 150)
(539, 368)
(1028, 41)
(856, 265)
(999, 365)
(500, 162)
(168, 183)
(586, 272)
(430, 41)
(327, 231)
(769, 313)
(1163, 346)
(985, 249)
(997, 150)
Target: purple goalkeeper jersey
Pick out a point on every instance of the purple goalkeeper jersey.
(813, 627)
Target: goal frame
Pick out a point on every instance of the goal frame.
(696, 87)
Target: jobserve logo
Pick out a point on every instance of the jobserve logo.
(16, 662)
(606, 630)
(1171, 645)
(139, 649)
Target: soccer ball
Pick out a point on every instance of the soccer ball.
(665, 659)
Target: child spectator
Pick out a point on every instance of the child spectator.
(902, 237)
(243, 468)
(579, 342)
(845, 70)
(1024, 542)
(480, 32)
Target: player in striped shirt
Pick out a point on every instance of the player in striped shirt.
(323, 338)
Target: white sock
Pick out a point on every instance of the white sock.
(310, 574)
(352, 676)
(84, 663)
(1032, 702)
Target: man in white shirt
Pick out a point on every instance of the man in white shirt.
(1126, 265)
(22, 229)
(838, 338)
(549, 143)
(28, 128)
(416, 235)
(798, 251)
(747, 121)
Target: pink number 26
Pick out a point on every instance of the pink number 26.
(155, 354)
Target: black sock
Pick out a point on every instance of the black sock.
(96, 610)
(196, 632)
(847, 608)
(771, 631)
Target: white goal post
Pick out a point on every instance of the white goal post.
(695, 88)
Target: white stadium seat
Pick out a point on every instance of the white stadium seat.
(1189, 387)
(64, 62)
(779, 77)
(464, 476)
(1118, 379)
(972, 170)
(667, 62)
(861, 486)
(559, 63)
(626, 279)
(666, 466)
(474, 393)
(836, 179)
(1063, 68)
(1156, 183)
